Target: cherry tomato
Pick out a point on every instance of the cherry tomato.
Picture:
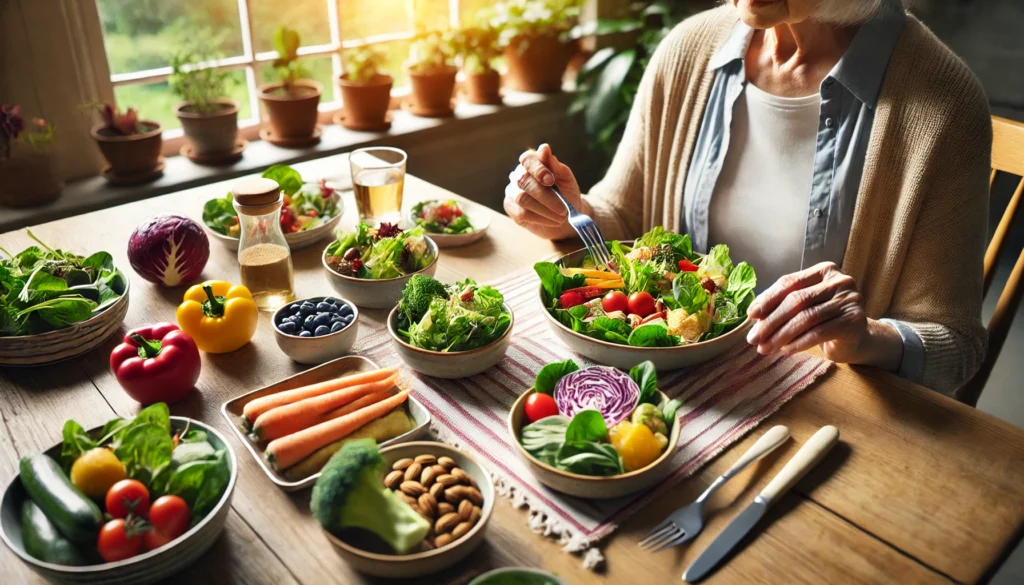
(127, 496)
(169, 516)
(154, 539)
(615, 301)
(538, 406)
(570, 299)
(118, 540)
(641, 303)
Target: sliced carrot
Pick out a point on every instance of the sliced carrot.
(285, 420)
(255, 408)
(289, 450)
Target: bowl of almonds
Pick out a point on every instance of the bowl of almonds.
(445, 486)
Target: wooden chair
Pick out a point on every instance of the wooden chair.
(1008, 157)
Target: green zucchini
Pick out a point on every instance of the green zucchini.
(43, 541)
(75, 516)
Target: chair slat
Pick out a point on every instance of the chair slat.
(1008, 146)
(998, 243)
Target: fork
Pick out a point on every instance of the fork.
(685, 523)
(588, 231)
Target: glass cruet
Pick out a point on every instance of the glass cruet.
(264, 258)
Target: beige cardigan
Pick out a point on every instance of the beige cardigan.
(918, 236)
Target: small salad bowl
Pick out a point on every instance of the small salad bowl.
(457, 364)
(313, 349)
(376, 293)
(296, 240)
(478, 216)
(518, 576)
(423, 563)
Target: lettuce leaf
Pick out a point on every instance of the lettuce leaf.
(688, 292)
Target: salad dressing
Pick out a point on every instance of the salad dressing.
(264, 259)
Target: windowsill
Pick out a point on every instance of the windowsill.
(95, 193)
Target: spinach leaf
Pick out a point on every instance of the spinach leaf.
(669, 410)
(189, 452)
(646, 377)
(587, 425)
(590, 458)
(62, 311)
(687, 290)
(76, 442)
(609, 329)
(550, 374)
(550, 278)
(544, 438)
(288, 178)
(144, 449)
(219, 214)
(200, 483)
(653, 334)
(99, 261)
(740, 286)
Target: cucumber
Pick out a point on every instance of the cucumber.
(43, 541)
(75, 516)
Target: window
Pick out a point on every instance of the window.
(141, 36)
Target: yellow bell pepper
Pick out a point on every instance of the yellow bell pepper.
(637, 444)
(219, 316)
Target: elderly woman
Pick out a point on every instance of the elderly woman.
(837, 146)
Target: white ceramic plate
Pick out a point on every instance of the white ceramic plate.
(479, 216)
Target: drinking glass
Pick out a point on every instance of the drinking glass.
(378, 177)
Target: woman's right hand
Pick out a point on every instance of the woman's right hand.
(530, 201)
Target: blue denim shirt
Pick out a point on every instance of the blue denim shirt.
(849, 94)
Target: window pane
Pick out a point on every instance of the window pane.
(307, 17)
(363, 18)
(469, 10)
(317, 68)
(154, 101)
(395, 54)
(144, 34)
(430, 14)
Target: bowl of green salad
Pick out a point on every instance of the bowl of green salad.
(449, 222)
(371, 265)
(450, 330)
(517, 576)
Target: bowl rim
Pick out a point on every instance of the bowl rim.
(329, 223)
(683, 347)
(277, 331)
(74, 327)
(673, 443)
(393, 318)
(431, 245)
(487, 509)
(141, 558)
(528, 570)
(471, 208)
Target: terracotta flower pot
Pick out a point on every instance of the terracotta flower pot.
(292, 115)
(432, 91)
(537, 63)
(29, 178)
(211, 134)
(366, 103)
(130, 155)
(483, 88)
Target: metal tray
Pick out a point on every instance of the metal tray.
(233, 410)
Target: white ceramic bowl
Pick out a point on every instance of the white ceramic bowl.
(316, 350)
(479, 216)
(376, 294)
(624, 356)
(145, 568)
(457, 364)
(509, 575)
(296, 240)
(423, 563)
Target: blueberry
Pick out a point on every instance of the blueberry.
(335, 318)
(321, 330)
(345, 310)
(294, 308)
(324, 307)
(305, 333)
(307, 308)
(348, 319)
(309, 319)
(332, 301)
(290, 328)
(322, 319)
(337, 326)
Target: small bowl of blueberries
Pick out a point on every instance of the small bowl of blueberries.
(317, 329)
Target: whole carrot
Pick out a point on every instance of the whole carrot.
(287, 451)
(360, 403)
(255, 408)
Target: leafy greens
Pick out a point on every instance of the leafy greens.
(468, 316)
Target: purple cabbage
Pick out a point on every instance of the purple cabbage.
(607, 390)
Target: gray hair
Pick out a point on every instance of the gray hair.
(847, 12)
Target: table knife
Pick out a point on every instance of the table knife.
(807, 457)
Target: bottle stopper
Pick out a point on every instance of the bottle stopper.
(256, 195)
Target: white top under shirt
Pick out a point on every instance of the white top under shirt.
(759, 205)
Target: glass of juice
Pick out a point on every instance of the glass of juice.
(378, 176)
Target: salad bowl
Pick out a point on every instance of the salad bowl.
(296, 240)
(147, 567)
(479, 218)
(376, 293)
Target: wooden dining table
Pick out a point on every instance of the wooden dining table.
(920, 489)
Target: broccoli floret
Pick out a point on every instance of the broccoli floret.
(417, 295)
(350, 494)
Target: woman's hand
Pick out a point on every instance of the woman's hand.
(530, 201)
(821, 306)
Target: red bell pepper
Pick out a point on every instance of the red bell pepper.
(687, 266)
(159, 363)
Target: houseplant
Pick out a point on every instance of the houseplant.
(535, 40)
(365, 89)
(291, 102)
(432, 74)
(28, 167)
(209, 120)
(131, 146)
(478, 48)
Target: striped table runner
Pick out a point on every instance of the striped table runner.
(723, 400)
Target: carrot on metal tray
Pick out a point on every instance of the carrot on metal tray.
(255, 408)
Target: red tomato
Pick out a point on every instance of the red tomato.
(540, 405)
(118, 540)
(127, 496)
(169, 516)
(615, 301)
(641, 303)
(154, 539)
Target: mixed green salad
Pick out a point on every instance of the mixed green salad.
(379, 252)
(658, 293)
(43, 289)
(450, 318)
(442, 217)
(306, 206)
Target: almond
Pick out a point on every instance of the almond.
(447, 480)
(439, 469)
(474, 496)
(447, 462)
(401, 464)
(446, 523)
(437, 490)
(460, 530)
(444, 508)
(455, 494)
(394, 479)
(412, 489)
(474, 517)
(428, 476)
(443, 540)
(460, 475)
(412, 473)
(426, 459)
(465, 509)
(429, 505)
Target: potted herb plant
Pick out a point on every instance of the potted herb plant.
(478, 47)
(432, 74)
(28, 169)
(535, 41)
(131, 146)
(209, 120)
(365, 89)
(291, 102)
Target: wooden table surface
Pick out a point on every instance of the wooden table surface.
(921, 489)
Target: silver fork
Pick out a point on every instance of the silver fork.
(588, 231)
(685, 523)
